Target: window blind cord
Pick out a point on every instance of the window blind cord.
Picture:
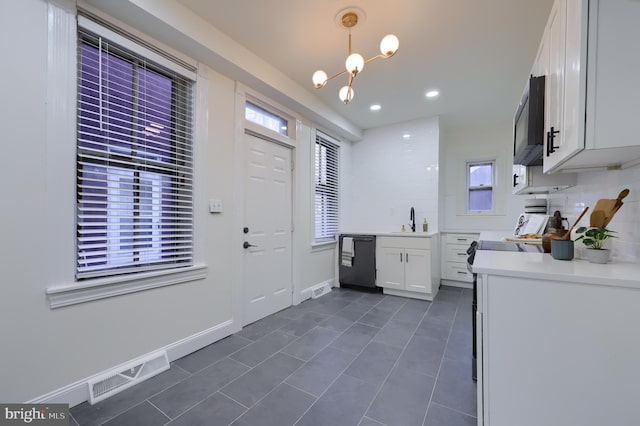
(100, 82)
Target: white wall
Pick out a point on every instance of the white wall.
(311, 265)
(593, 186)
(491, 141)
(44, 350)
(494, 141)
(387, 175)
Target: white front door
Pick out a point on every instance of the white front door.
(268, 285)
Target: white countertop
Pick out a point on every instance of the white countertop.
(542, 266)
(407, 234)
(396, 234)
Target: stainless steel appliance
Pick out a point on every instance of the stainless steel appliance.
(528, 129)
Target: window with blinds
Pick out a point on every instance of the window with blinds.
(134, 158)
(326, 189)
(480, 178)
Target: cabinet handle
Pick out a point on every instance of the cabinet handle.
(400, 257)
(515, 180)
(406, 257)
(551, 135)
(462, 272)
(461, 239)
(462, 254)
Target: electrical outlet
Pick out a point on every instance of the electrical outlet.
(215, 206)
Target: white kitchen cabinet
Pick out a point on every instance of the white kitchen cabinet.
(554, 352)
(407, 266)
(591, 89)
(541, 64)
(454, 257)
(557, 340)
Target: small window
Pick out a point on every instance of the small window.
(326, 189)
(257, 114)
(480, 178)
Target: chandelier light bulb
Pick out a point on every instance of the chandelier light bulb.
(389, 45)
(354, 63)
(346, 94)
(319, 79)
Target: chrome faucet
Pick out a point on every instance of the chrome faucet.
(412, 218)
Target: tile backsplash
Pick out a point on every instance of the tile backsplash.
(392, 169)
(593, 186)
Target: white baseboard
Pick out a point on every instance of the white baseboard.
(77, 393)
(410, 294)
(306, 293)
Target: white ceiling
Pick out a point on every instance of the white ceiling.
(478, 53)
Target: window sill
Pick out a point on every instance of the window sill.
(481, 214)
(325, 245)
(103, 288)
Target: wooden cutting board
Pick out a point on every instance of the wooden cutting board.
(605, 209)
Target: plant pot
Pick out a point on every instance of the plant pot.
(562, 249)
(598, 255)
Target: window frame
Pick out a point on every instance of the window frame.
(62, 289)
(323, 139)
(131, 133)
(469, 189)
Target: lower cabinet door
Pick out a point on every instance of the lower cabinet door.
(417, 267)
(390, 265)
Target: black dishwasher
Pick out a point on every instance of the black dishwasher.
(361, 275)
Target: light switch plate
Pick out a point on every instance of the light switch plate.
(215, 206)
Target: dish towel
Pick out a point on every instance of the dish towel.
(348, 251)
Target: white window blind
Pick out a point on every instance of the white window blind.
(134, 159)
(326, 189)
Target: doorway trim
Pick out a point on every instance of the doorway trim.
(242, 126)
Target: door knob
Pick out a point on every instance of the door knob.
(245, 230)
(247, 245)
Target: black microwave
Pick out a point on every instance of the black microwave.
(528, 125)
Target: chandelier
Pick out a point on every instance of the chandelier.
(355, 62)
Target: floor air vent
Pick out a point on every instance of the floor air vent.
(320, 290)
(123, 377)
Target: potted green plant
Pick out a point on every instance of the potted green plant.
(594, 239)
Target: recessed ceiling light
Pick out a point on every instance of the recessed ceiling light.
(375, 107)
(406, 136)
(432, 94)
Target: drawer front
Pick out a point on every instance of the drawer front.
(456, 253)
(405, 242)
(458, 272)
(463, 239)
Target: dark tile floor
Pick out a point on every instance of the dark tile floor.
(346, 358)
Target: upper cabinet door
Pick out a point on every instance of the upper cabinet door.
(555, 83)
(541, 64)
(592, 97)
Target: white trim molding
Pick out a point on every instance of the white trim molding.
(62, 288)
(119, 285)
(78, 392)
